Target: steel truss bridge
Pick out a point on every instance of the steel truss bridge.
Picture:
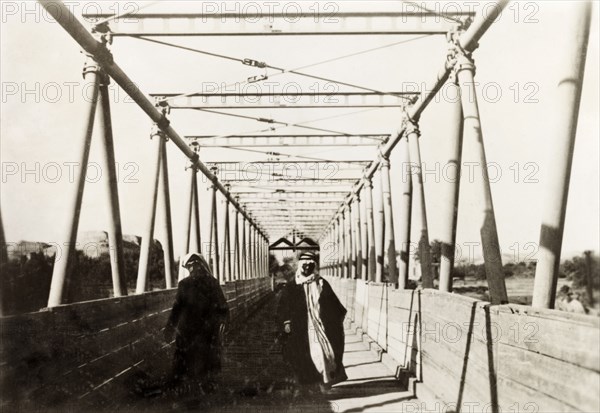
(329, 202)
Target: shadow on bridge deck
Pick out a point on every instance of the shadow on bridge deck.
(255, 378)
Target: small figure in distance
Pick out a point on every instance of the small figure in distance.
(312, 317)
(197, 322)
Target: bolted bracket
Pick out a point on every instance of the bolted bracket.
(104, 37)
(156, 131)
(165, 109)
(91, 65)
(384, 161)
(458, 58)
(410, 126)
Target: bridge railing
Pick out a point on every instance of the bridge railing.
(466, 352)
(95, 353)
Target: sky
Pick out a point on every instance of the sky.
(518, 61)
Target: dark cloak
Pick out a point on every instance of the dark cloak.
(200, 308)
(296, 349)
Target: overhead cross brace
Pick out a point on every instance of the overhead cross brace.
(241, 141)
(291, 195)
(295, 100)
(251, 21)
(278, 192)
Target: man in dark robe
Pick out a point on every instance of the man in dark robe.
(197, 321)
(312, 318)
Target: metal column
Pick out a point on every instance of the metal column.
(148, 234)
(62, 268)
(372, 255)
(244, 263)
(563, 140)
(252, 240)
(405, 213)
(379, 238)
(336, 243)
(389, 242)
(189, 206)
(364, 244)
(343, 246)
(473, 136)
(226, 246)
(214, 237)
(451, 189)
(358, 240)
(169, 257)
(236, 247)
(413, 134)
(350, 245)
(115, 233)
(195, 238)
(187, 217)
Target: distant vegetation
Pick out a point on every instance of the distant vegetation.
(26, 281)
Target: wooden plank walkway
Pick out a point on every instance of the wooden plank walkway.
(256, 379)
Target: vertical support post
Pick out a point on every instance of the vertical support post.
(226, 246)
(389, 244)
(372, 255)
(187, 216)
(253, 250)
(350, 245)
(379, 238)
(336, 252)
(236, 247)
(331, 263)
(244, 263)
(257, 252)
(250, 252)
(148, 234)
(473, 135)
(189, 206)
(265, 257)
(265, 266)
(405, 213)
(294, 241)
(261, 257)
(115, 233)
(451, 189)
(358, 240)
(565, 120)
(328, 246)
(62, 268)
(413, 134)
(364, 243)
(167, 221)
(338, 248)
(343, 250)
(196, 239)
(215, 256)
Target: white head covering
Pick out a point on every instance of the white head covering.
(196, 256)
(187, 258)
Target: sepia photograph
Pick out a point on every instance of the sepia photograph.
(300, 206)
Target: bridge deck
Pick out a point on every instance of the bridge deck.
(255, 378)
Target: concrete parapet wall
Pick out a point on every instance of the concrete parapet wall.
(92, 352)
(471, 356)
